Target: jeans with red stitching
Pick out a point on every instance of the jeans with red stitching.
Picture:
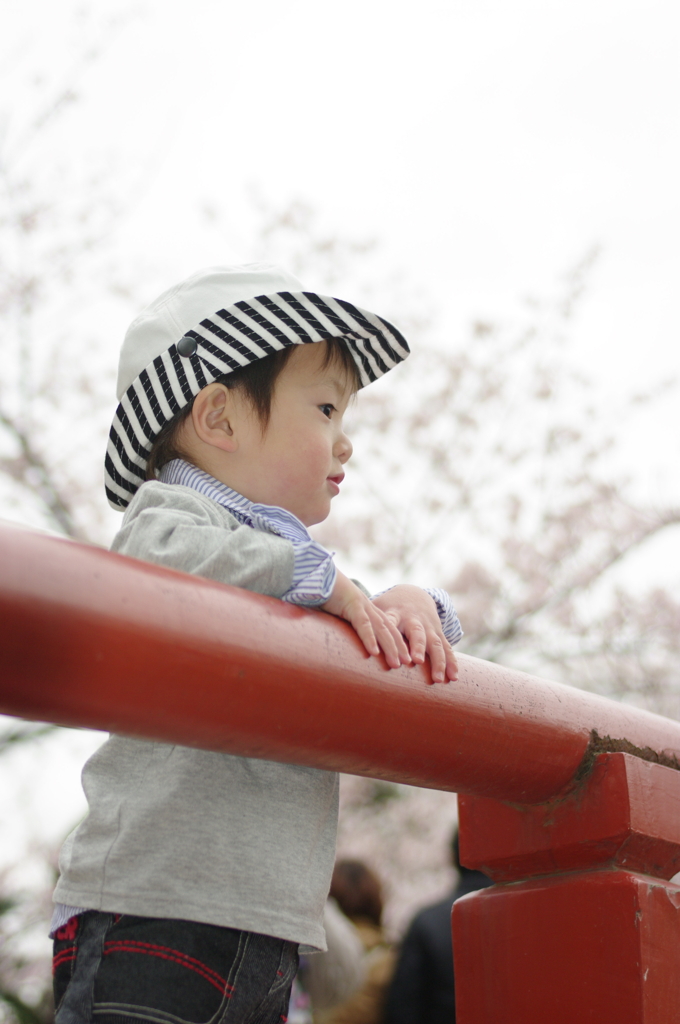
(116, 968)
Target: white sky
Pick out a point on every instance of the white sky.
(486, 144)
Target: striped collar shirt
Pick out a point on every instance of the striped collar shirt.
(314, 571)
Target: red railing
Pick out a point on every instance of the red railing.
(571, 801)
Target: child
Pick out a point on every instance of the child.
(188, 889)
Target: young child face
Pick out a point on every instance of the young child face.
(297, 462)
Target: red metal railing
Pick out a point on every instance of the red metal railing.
(565, 806)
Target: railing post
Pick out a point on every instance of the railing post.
(582, 925)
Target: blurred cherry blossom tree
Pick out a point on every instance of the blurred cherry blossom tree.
(25, 989)
(486, 466)
(58, 283)
(491, 465)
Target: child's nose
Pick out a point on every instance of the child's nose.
(343, 448)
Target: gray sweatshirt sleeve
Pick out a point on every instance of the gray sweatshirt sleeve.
(175, 526)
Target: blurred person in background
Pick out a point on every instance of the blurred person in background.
(326, 979)
(358, 893)
(422, 988)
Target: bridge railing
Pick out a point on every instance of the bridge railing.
(571, 802)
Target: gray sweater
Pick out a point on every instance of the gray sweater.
(176, 832)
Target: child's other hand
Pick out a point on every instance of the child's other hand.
(375, 629)
(414, 614)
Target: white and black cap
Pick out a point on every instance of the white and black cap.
(216, 321)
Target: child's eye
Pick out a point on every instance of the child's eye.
(327, 410)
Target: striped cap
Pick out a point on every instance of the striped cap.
(216, 321)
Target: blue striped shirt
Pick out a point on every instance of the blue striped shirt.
(314, 571)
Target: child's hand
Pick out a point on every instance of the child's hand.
(414, 614)
(375, 629)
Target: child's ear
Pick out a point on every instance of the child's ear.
(214, 417)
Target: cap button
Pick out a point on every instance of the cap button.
(187, 345)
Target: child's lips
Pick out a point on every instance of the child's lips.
(335, 481)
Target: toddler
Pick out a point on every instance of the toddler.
(197, 877)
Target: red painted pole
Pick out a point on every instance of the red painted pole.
(89, 638)
(582, 926)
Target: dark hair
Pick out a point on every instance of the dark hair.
(455, 850)
(256, 381)
(455, 855)
(357, 891)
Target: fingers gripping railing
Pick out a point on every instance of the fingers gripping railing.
(93, 639)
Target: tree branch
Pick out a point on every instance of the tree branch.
(31, 461)
(504, 636)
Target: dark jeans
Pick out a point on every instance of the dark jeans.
(116, 969)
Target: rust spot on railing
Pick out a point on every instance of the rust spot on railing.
(610, 745)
